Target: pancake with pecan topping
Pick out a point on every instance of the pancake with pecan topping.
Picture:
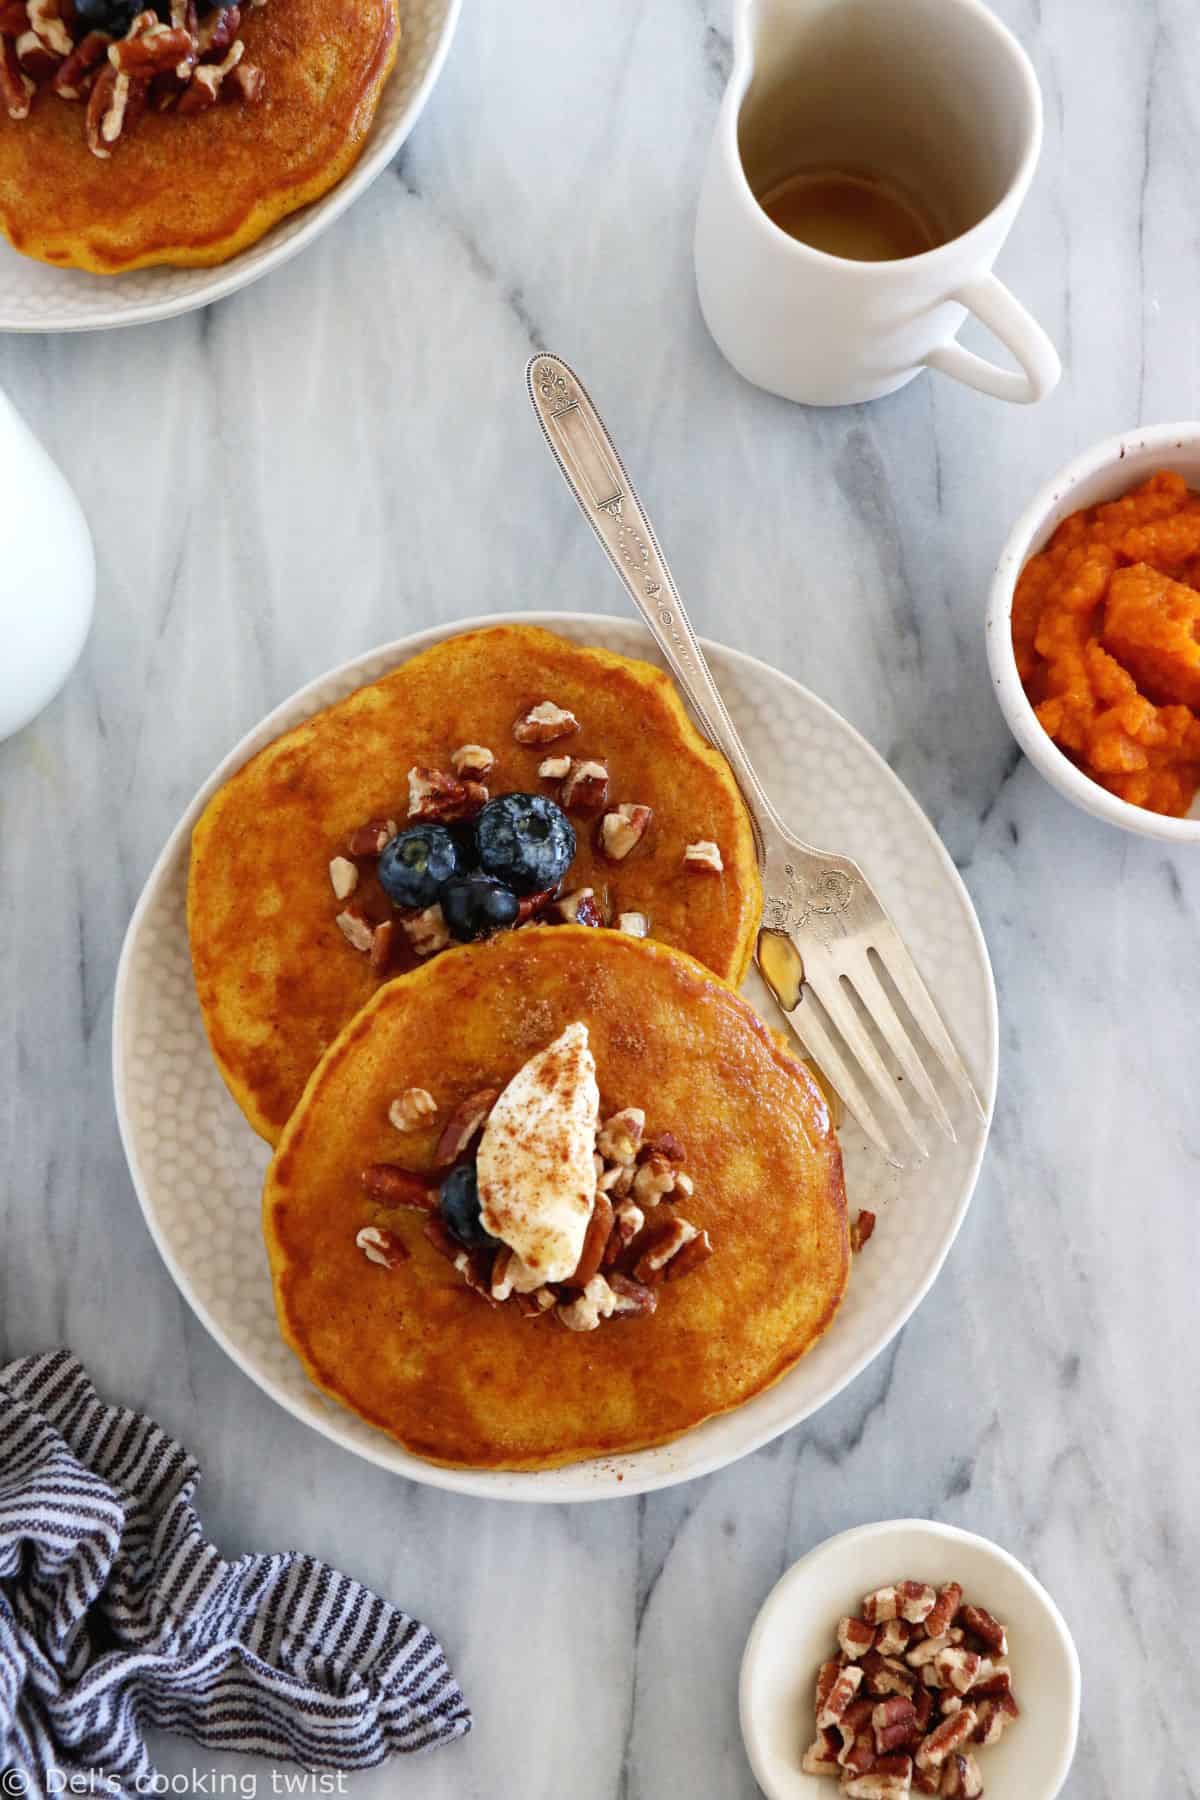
(407, 1344)
(278, 976)
(106, 181)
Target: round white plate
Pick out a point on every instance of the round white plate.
(36, 297)
(795, 1633)
(198, 1168)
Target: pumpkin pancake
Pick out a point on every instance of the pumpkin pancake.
(417, 1352)
(196, 188)
(276, 978)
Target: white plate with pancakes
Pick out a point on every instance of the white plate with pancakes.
(36, 297)
(198, 1168)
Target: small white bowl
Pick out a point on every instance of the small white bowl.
(1104, 472)
(795, 1633)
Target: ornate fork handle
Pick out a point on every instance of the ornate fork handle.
(596, 475)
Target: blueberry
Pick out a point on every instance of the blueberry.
(415, 863)
(475, 904)
(113, 16)
(525, 840)
(459, 1199)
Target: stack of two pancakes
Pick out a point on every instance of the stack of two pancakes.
(313, 1048)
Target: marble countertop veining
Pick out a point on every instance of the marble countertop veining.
(343, 453)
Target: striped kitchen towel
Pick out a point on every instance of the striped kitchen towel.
(117, 1615)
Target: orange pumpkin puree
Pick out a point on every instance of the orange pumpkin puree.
(1106, 630)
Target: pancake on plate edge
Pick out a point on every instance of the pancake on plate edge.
(277, 979)
(388, 1325)
(285, 122)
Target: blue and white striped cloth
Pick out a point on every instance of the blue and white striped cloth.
(116, 1615)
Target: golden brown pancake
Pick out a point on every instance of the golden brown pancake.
(276, 979)
(416, 1352)
(197, 189)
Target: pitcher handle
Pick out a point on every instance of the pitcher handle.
(1017, 330)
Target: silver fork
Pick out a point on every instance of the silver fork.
(825, 939)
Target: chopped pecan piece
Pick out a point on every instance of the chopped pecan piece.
(388, 1185)
(473, 759)
(204, 88)
(596, 1302)
(343, 877)
(957, 1668)
(917, 1600)
(857, 1754)
(412, 1109)
(620, 1137)
(369, 839)
(654, 1180)
(922, 1700)
(381, 1246)
(435, 1229)
(880, 1606)
(535, 1304)
(529, 906)
(354, 925)
(704, 856)
(246, 82)
(927, 1781)
(663, 1143)
(432, 794)
(821, 1756)
(585, 789)
(893, 1638)
(886, 1676)
(994, 1685)
(980, 1622)
(845, 1687)
(579, 908)
(855, 1637)
(475, 1267)
(651, 1265)
(946, 1738)
(218, 32)
(630, 1296)
(961, 1778)
(149, 47)
(16, 88)
(383, 944)
(464, 1126)
(554, 768)
(633, 924)
(45, 17)
(545, 723)
(890, 1778)
(37, 62)
(892, 1723)
(697, 1250)
(827, 1674)
(945, 1607)
(925, 1650)
(594, 1243)
(628, 1220)
(74, 73)
(994, 1717)
(427, 932)
(623, 830)
(861, 1229)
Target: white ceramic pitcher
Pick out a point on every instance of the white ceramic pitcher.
(47, 574)
(949, 103)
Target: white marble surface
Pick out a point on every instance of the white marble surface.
(343, 453)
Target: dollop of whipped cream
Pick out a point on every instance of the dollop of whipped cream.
(536, 1163)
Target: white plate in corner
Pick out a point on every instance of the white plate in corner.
(198, 1168)
(36, 297)
(794, 1634)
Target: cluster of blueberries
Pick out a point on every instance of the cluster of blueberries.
(477, 872)
(116, 16)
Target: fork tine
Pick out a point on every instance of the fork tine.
(874, 997)
(903, 972)
(825, 982)
(833, 1066)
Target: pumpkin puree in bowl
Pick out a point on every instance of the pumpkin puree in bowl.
(1106, 631)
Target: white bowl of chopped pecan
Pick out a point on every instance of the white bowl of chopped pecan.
(910, 1658)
